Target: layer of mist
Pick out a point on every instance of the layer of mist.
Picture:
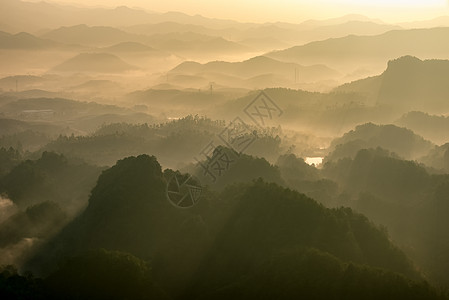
(149, 155)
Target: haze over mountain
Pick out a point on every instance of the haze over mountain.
(155, 154)
(368, 50)
(289, 73)
(127, 47)
(95, 63)
(90, 36)
(408, 82)
(432, 126)
(24, 41)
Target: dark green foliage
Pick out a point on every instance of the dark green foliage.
(306, 179)
(405, 198)
(128, 211)
(39, 221)
(49, 178)
(9, 158)
(376, 172)
(124, 208)
(172, 142)
(27, 140)
(433, 251)
(251, 240)
(307, 273)
(295, 169)
(266, 217)
(112, 142)
(16, 287)
(225, 166)
(103, 274)
(351, 148)
(22, 179)
(264, 251)
(401, 141)
(438, 158)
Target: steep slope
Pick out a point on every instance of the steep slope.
(267, 229)
(128, 198)
(410, 83)
(405, 198)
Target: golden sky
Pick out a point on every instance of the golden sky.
(287, 10)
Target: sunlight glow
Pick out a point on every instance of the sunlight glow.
(285, 10)
(422, 3)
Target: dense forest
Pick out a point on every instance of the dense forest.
(152, 155)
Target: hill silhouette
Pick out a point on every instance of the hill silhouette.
(24, 41)
(354, 49)
(174, 42)
(90, 35)
(128, 198)
(21, 15)
(196, 45)
(408, 82)
(432, 127)
(129, 47)
(257, 66)
(438, 158)
(62, 107)
(27, 81)
(94, 62)
(267, 228)
(400, 194)
(12, 126)
(51, 176)
(399, 140)
(224, 242)
(111, 275)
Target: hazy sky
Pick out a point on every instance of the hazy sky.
(287, 10)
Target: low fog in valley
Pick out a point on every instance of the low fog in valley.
(147, 154)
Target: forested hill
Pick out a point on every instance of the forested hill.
(231, 240)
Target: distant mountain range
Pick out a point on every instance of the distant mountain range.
(442, 21)
(286, 33)
(358, 50)
(90, 36)
(180, 43)
(34, 17)
(258, 66)
(17, 15)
